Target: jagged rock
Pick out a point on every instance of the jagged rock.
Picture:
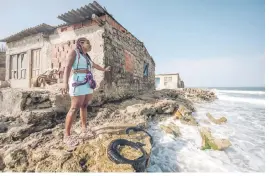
(24, 130)
(39, 155)
(43, 105)
(37, 100)
(133, 109)
(20, 132)
(148, 110)
(198, 95)
(38, 116)
(222, 144)
(3, 128)
(216, 121)
(60, 154)
(209, 142)
(146, 97)
(189, 120)
(72, 166)
(94, 153)
(44, 150)
(104, 114)
(166, 106)
(2, 164)
(185, 116)
(48, 165)
(17, 159)
(3, 118)
(14, 101)
(4, 139)
(171, 129)
(182, 111)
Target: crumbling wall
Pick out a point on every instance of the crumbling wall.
(2, 65)
(127, 56)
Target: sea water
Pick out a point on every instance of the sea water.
(244, 109)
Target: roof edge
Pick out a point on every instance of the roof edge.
(43, 27)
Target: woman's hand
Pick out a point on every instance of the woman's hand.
(98, 67)
(64, 88)
(107, 69)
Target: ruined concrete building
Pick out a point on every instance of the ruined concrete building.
(168, 81)
(35, 50)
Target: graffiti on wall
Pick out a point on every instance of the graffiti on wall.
(129, 61)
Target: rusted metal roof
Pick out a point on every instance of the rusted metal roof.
(42, 28)
(83, 13)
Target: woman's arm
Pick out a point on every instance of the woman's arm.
(98, 67)
(68, 67)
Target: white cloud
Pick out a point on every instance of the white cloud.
(216, 72)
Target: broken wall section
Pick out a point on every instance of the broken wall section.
(133, 69)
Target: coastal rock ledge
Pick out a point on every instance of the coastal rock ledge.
(32, 124)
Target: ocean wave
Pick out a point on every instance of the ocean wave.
(241, 92)
(240, 99)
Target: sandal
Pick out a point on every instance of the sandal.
(71, 142)
(87, 134)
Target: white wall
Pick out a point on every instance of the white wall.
(173, 84)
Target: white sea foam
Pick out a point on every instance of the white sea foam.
(241, 92)
(244, 128)
(241, 99)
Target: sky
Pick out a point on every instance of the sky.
(210, 43)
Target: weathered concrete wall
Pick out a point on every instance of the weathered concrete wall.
(126, 55)
(27, 45)
(2, 66)
(63, 42)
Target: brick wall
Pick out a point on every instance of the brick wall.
(60, 53)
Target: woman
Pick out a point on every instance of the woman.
(79, 64)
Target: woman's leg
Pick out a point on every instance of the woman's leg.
(76, 103)
(83, 111)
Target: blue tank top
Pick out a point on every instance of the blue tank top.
(81, 62)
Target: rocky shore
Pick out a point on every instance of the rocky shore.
(32, 124)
